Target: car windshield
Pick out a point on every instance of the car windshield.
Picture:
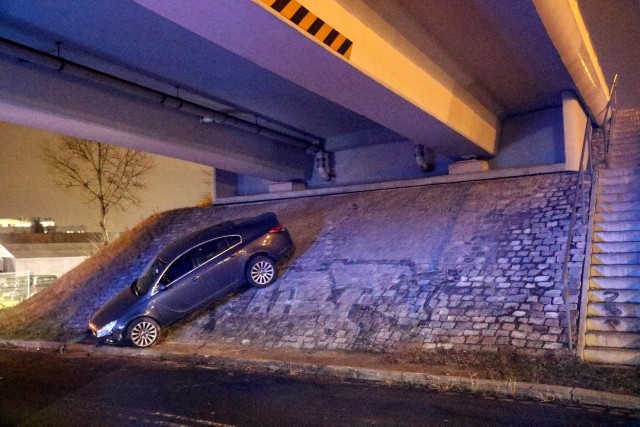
(149, 276)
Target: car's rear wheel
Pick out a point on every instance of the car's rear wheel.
(143, 332)
(261, 271)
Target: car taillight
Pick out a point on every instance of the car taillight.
(277, 229)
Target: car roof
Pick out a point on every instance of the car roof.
(245, 227)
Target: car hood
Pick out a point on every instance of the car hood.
(118, 306)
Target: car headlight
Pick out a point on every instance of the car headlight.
(106, 329)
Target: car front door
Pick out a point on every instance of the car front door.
(217, 264)
(179, 289)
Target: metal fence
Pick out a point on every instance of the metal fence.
(18, 286)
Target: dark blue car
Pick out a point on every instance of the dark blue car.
(191, 272)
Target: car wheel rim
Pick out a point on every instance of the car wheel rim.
(262, 272)
(144, 334)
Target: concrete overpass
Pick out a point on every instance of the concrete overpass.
(256, 89)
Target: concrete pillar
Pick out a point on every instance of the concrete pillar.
(574, 121)
(225, 184)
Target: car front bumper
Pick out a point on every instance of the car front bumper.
(115, 336)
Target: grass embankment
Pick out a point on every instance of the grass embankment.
(47, 313)
(555, 369)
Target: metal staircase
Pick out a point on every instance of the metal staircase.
(612, 327)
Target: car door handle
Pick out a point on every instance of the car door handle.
(194, 278)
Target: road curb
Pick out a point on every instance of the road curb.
(512, 389)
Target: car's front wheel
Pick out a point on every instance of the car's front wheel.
(261, 271)
(143, 332)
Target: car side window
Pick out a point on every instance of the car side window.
(181, 266)
(233, 240)
(209, 250)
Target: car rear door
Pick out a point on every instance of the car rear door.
(218, 265)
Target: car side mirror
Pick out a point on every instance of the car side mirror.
(134, 289)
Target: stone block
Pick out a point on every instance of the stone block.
(468, 166)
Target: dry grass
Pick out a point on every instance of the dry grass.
(43, 315)
(508, 365)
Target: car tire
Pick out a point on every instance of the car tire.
(143, 332)
(261, 271)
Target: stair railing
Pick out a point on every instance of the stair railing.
(578, 196)
(608, 118)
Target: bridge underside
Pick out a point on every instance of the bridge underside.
(448, 78)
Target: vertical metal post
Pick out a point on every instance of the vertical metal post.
(28, 284)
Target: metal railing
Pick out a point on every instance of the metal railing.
(580, 195)
(608, 118)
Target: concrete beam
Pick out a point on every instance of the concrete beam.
(569, 34)
(38, 97)
(423, 105)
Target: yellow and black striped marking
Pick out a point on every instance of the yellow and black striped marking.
(307, 21)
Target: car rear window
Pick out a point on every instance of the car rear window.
(209, 250)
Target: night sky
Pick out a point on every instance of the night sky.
(27, 190)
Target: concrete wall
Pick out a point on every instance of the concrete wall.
(54, 265)
(225, 184)
(377, 163)
(535, 138)
(575, 121)
(541, 137)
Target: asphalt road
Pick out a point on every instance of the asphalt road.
(52, 389)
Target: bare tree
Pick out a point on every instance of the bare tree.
(110, 176)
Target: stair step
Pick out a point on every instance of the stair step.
(627, 114)
(620, 152)
(617, 225)
(612, 340)
(621, 172)
(604, 309)
(625, 140)
(626, 131)
(628, 187)
(618, 216)
(615, 283)
(615, 270)
(616, 236)
(632, 196)
(615, 295)
(618, 206)
(627, 163)
(613, 324)
(615, 247)
(614, 356)
(622, 258)
(618, 180)
(624, 145)
(625, 122)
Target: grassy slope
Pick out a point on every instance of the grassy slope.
(45, 314)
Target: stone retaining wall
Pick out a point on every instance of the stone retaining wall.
(470, 265)
(473, 265)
